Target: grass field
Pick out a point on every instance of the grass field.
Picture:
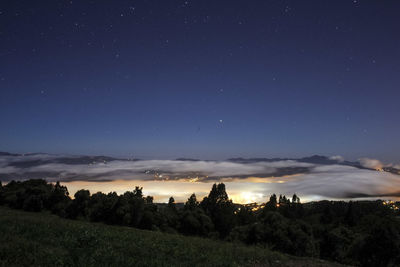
(41, 239)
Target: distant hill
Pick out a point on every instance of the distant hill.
(8, 154)
(187, 159)
(315, 159)
(73, 160)
(251, 160)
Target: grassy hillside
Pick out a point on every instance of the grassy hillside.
(41, 239)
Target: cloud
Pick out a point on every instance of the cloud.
(58, 167)
(133, 169)
(371, 163)
(8, 169)
(337, 158)
(253, 181)
(322, 182)
(337, 181)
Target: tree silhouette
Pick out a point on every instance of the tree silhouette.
(149, 200)
(138, 191)
(171, 204)
(79, 206)
(271, 204)
(1, 193)
(221, 210)
(350, 218)
(295, 199)
(192, 203)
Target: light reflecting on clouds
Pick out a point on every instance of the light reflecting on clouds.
(180, 190)
(323, 182)
(246, 182)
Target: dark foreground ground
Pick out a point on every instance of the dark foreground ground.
(41, 239)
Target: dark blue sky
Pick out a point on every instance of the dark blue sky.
(205, 79)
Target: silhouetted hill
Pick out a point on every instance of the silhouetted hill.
(315, 159)
(8, 154)
(252, 160)
(72, 160)
(187, 159)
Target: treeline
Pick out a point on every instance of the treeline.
(363, 233)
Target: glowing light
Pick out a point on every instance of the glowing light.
(248, 197)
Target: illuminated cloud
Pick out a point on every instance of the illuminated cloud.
(246, 182)
(337, 158)
(142, 169)
(371, 163)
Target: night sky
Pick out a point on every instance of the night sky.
(201, 79)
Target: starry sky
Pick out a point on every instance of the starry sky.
(202, 79)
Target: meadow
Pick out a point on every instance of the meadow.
(43, 239)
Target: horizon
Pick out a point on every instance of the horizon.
(132, 156)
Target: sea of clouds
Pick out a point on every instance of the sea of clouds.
(334, 181)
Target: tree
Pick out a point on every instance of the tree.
(295, 199)
(138, 191)
(216, 196)
(381, 247)
(1, 193)
(327, 215)
(335, 243)
(283, 200)
(135, 206)
(191, 203)
(79, 206)
(220, 209)
(245, 216)
(149, 200)
(151, 217)
(171, 204)
(82, 196)
(170, 222)
(59, 199)
(195, 222)
(271, 204)
(102, 208)
(33, 203)
(350, 217)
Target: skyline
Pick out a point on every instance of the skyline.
(206, 80)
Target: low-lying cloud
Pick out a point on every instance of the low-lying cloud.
(145, 169)
(249, 181)
(371, 163)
